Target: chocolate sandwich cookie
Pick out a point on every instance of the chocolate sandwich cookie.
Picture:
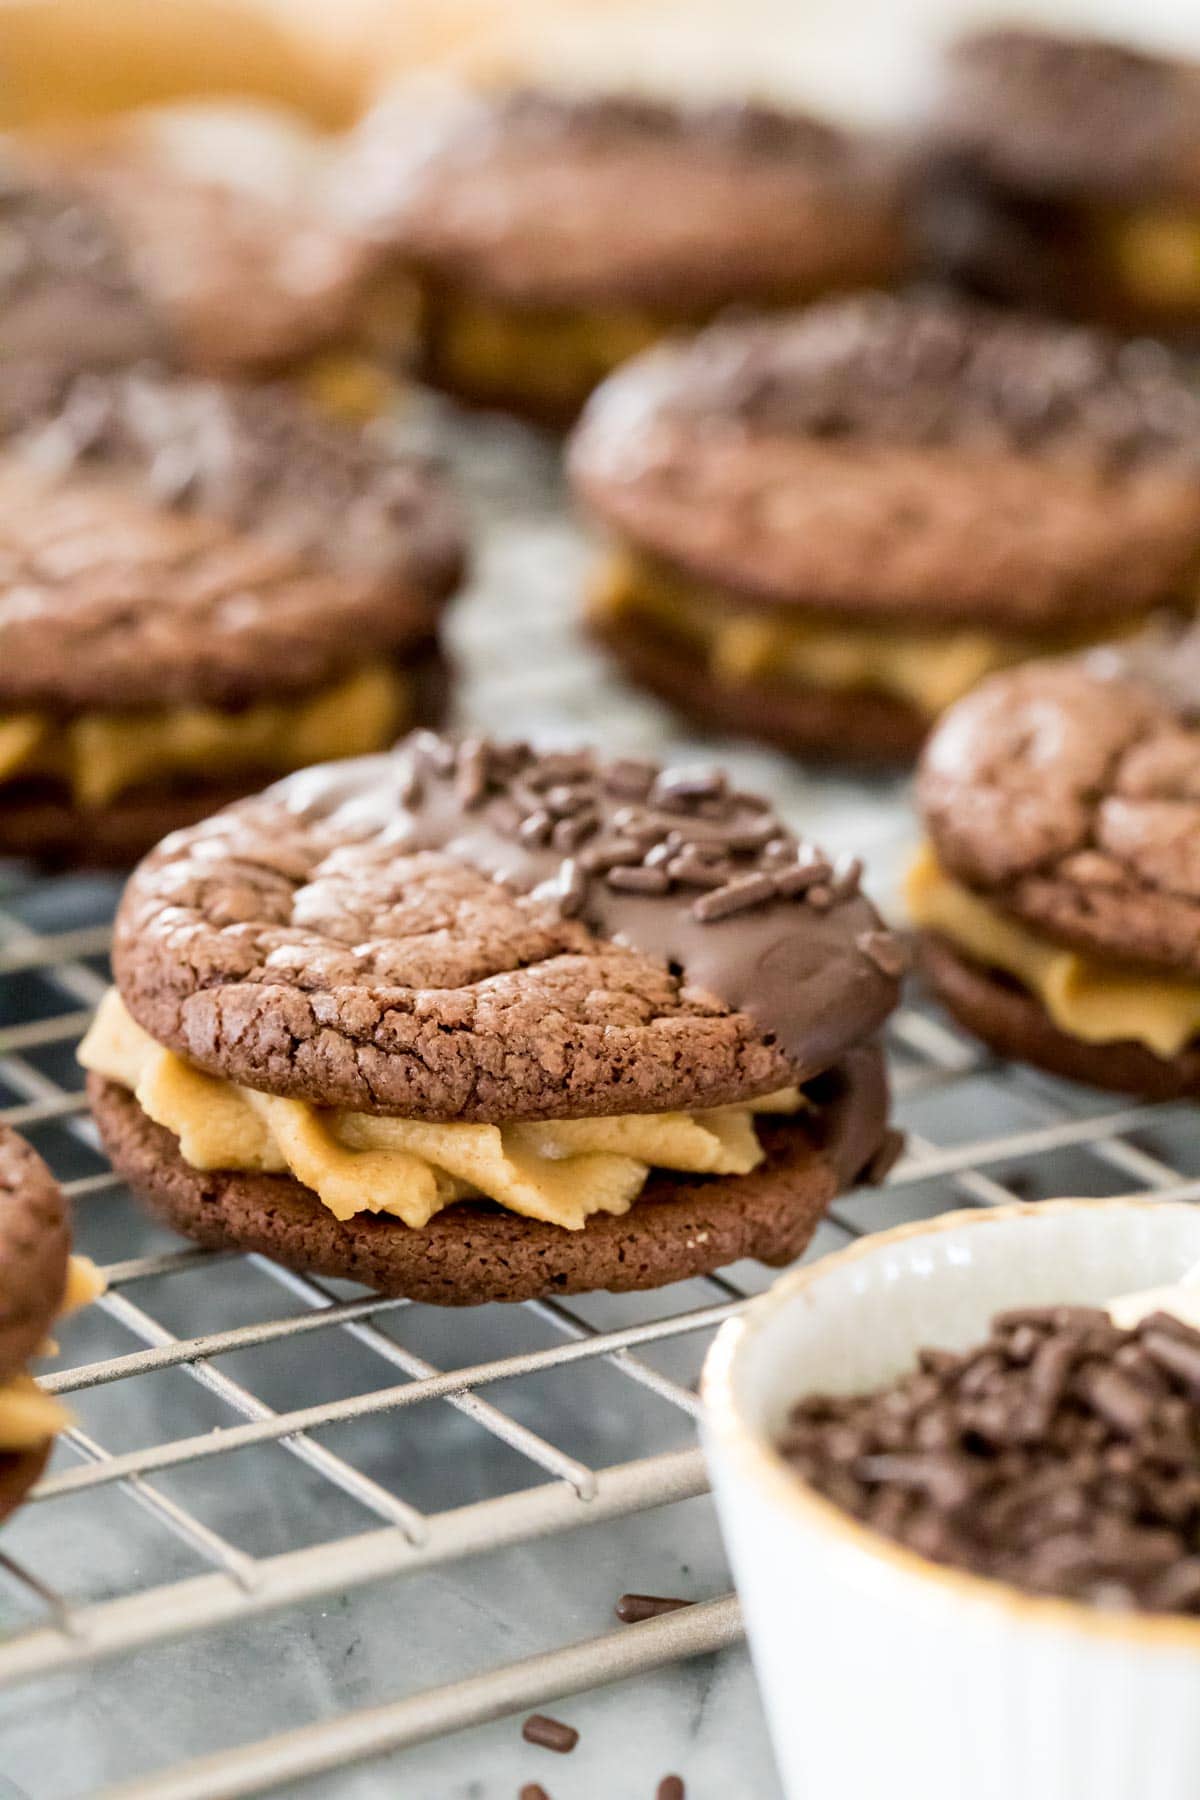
(202, 584)
(213, 217)
(550, 237)
(469, 1023)
(39, 1280)
(68, 291)
(1064, 173)
(827, 527)
(1058, 900)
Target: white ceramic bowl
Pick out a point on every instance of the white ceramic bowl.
(884, 1675)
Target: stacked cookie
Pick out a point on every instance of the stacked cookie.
(469, 1022)
(1058, 901)
(203, 584)
(209, 230)
(1065, 174)
(828, 527)
(550, 236)
(39, 1281)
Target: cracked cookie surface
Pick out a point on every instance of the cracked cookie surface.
(1069, 793)
(906, 457)
(404, 934)
(165, 539)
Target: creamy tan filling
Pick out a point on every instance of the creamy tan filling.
(549, 355)
(28, 1417)
(928, 669)
(1097, 1001)
(1156, 254)
(348, 385)
(559, 1170)
(101, 755)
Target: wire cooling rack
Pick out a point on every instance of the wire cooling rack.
(302, 1538)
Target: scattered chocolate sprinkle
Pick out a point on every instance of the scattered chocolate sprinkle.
(691, 870)
(630, 780)
(847, 876)
(800, 878)
(735, 897)
(550, 1734)
(535, 828)
(470, 781)
(533, 1790)
(631, 1609)
(637, 879)
(884, 950)
(1061, 1455)
(690, 784)
(671, 1788)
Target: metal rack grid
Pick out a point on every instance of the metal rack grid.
(403, 1443)
(1129, 1145)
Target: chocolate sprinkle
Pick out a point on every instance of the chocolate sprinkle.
(671, 1788)
(533, 1790)
(631, 1609)
(705, 880)
(549, 1734)
(1061, 1455)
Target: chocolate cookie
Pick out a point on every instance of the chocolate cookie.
(1064, 172)
(522, 1009)
(67, 289)
(552, 236)
(1060, 897)
(203, 583)
(221, 246)
(882, 500)
(34, 1253)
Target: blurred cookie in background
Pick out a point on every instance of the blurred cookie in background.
(68, 290)
(552, 236)
(825, 528)
(1058, 899)
(40, 1281)
(1065, 173)
(204, 584)
(217, 213)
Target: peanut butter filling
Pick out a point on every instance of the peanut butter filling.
(1155, 252)
(28, 1417)
(348, 385)
(1096, 1001)
(556, 356)
(559, 1171)
(741, 644)
(99, 756)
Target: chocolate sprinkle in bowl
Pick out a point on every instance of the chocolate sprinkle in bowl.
(979, 1686)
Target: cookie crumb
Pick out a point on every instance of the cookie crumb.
(631, 1609)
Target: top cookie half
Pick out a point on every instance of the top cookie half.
(909, 459)
(198, 238)
(1068, 793)
(35, 1241)
(481, 932)
(165, 539)
(1062, 116)
(547, 200)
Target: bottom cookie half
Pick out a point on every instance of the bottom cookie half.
(19, 1469)
(846, 724)
(475, 1252)
(40, 821)
(1014, 1023)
